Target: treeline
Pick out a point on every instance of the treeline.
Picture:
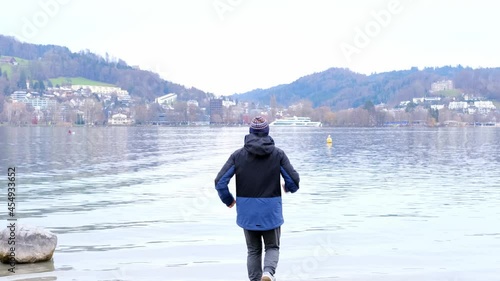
(50, 61)
(369, 115)
(339, 88)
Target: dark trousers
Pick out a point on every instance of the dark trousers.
(254, 240)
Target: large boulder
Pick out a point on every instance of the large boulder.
(32, 244)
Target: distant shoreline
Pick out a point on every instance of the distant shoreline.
(450, 125)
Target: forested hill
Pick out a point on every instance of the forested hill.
(341, 88)
(337, 88)
(49, 61)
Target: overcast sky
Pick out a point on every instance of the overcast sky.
(233, 46)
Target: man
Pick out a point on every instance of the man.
(258, 167)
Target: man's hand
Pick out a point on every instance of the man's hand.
(284, 189)
(232, 204)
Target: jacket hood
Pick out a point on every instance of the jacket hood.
(259, 145)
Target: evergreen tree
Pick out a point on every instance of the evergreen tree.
(434, 113)
(21, 83)
(41, 85)
(369, 106)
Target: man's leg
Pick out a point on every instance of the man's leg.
(254, 258)
(272, 247)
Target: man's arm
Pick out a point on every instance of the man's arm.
(289, 174)
(222, 180)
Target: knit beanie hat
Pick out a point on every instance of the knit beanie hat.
(259, 125)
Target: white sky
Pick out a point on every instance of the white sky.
(264, 43)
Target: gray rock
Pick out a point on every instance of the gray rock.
(32, 244)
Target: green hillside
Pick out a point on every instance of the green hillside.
(449, 93)
(77, 81)
(5, 67)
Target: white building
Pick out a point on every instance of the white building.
(41, 103)
(119, 119)
(19, 96)
(437, 106)
(431, 99)
(484, 106)
(469, 97)
(418, 100)
(404, 103)
(228, 103)
(458, 105)
(101, 89)
(32, 99)
(192, 103)
(426, 99)
(167, 99)
(123, 96)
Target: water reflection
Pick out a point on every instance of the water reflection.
(396, 198)
(29, 268)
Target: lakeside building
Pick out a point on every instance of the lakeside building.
(41, 103)
(216, 111)
(483, 107)
(119, 119)
(34, 99)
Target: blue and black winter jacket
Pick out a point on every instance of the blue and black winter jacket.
(258, 167)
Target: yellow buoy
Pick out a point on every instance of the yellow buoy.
(328, 139)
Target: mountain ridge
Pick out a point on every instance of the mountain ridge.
(52, 61)
(341, 88)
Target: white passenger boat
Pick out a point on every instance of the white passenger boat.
(295, 122)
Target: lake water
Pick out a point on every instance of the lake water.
(138, 203)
